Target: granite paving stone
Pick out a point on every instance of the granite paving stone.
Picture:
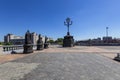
(71, 66)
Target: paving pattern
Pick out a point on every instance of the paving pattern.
(61, 66)
(15, 71)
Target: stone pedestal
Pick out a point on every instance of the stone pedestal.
(68, 41)
(28, 48)
(40, 43)
(46, 45)
(1, 49)
(117, 58)
(40, 46)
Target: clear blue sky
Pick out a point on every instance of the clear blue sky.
(90, 17)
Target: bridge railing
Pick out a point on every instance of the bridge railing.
(7, 49)
(1, 49)
(12, 47)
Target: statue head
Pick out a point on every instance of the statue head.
(39, 36)
(39, 39)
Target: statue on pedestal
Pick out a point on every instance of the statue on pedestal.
(46, 43)
(28, 47)
(40, 43)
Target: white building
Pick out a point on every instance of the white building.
(20, 40)
(17, 40)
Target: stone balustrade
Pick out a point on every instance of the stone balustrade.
(12, 47)
(1, 49)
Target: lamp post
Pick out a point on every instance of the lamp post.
(106, 31)
(107, 39)
(67, 23)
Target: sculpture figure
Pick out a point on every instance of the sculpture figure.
(28, 37)
(39, 43)
(46, 43)
(28, 46)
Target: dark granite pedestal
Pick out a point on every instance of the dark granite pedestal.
(68, 41)
(28, 48)
(117, 58)
(46, 45)
(40, 46)
(40, 43)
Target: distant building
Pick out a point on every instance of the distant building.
(98, 40)
(105, 41)
(17, 40)
(20, 40)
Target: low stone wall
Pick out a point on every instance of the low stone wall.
(1, 49)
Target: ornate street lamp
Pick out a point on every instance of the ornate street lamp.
(67, 23)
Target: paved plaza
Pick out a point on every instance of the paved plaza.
(57, 63)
